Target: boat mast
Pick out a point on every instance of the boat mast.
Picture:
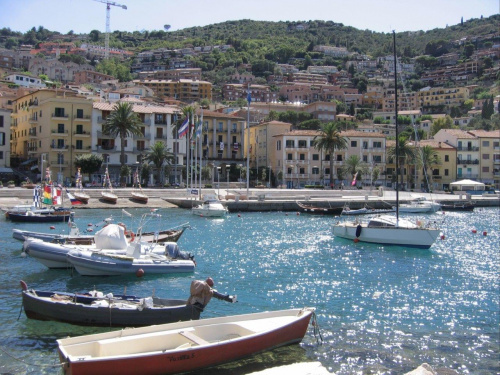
(397, 133)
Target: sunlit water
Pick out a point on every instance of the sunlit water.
(383, 310)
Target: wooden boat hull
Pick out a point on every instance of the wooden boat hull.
(124, 311)
(319, 210)
(30, 217)
(82, 197)
(140, 197)
(109, 197)
(83, 239)
(185, 346)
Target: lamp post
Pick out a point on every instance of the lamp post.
(60, 176)
(269, 177)
(218, 181)
(298, 183)
(228, 166)
(240, 166)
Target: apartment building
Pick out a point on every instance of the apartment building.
(300, 163)
(157, 126)
(57, 70)
(172, 74)
(51, 128)
(89, 76)
(25, 81)
(468, 151)
(4, 139)
(259, 93)
(441, 96)
(184, 89)
(262, 151)
(442, 173)
(489, 160)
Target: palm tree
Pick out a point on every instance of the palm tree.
(428, 158)
(328, 141)
(352, 165)
(407, 154)
(123, 122)
(159, 154)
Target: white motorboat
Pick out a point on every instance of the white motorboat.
(210, 208)
(112, 239)
(389, 229)
(419, 206)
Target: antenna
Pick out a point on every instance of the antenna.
(108, 11)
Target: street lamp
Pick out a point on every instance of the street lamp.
(269, 177)
(240, 166)
(298, 183)
(218, 181)
(227, 172)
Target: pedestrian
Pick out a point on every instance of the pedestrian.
(202, 292)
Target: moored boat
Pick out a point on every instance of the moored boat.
(108, 195)
(458, 206)
(210, 208)
(105, 310)
(317, 210)
(184, 346)
(137, 194)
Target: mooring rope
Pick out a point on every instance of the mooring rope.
(30, 364)
(316, 329)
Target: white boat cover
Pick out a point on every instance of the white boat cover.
(111, 237)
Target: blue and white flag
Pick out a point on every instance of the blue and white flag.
(184, 128)
(249, 97)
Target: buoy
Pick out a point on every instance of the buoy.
(485, 233)
(356, 240)
(298, 213)
(474, 231)
(89, 224)
(442, 237)
(239, 215)
(286, 214)
(90, 230)
(140, 272)
(52, 227)
(23, 255)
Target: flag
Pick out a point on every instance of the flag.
(353, 183)
(47, 195)
(36, 196)
(249, 97)
(74, 201)
(235, 146)
(221, 145)
(56, 195)
(191, 130)
(184, 128)
(198, 129)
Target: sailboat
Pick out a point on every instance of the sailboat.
(108, 195)
(389, 229)
(79, 194)
(137, 193)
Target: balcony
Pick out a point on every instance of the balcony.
(106, 148)
(161, 136)
(32, 149)
(467, 162)
(59, 147)
(467, 175)
(142, 136)
(84, 149)
(33, 120)
(471, 148)
(102, 135)
(83, 118)
(139, 149)
(83, 134)
(59, 116)
(60, 132)
(32, 132)
(59, 163)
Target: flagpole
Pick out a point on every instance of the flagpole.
(201, 149)
(195, 155)
(249, 100)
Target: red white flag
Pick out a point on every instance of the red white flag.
(354, 179)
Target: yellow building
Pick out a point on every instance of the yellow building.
(489, 156)
(441, 96)
(50, 128)
(186, 90)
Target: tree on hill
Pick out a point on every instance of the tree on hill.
(442, 123)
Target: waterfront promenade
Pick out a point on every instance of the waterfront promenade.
(241, 199)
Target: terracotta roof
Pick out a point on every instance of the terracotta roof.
(457, 133)
(217, 114)
(303, 133)
(102, 106)
(356, 133)
(436, 144)
(485, 134)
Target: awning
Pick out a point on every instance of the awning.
(29, 161)
(6, 170)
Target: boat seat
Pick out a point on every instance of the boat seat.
(196, 339)
(182, 346)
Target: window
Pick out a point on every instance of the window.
(79, 144)
(486, 169)
(446, 172)
(1, 155)
(60, 158)
(289, 157)
(447, 158)
(339, 158)
(59, 112)
(315, 170)
(289, 170)
(377, 144)
(365, 145)
(60, 128)
(302, 171)
(290, 144)
(327, 170)
(79, 129)
(79, 113)
(278, 145)
(302, 157)
(365, 158)
(315, 156)
(486, 143)
(302, 144)
(60, 143)
(1, 121)
(377, 158)
(2, 139)
(486, 156)
(327, 157)
(354, 143)
(435, 172)
(220, 126)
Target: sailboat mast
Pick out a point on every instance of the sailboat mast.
(396, 113)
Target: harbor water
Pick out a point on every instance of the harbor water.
(381, 310)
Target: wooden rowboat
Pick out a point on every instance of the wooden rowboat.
(319, 210)
(139, 196)
(184, 346)
(97, 309)
(109, 196)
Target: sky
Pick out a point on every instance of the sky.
(82, 16)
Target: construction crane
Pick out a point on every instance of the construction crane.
(108, 9)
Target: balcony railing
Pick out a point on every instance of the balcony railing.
(83, 117)
(101, 134)
(471, 148)
(60, 132)
(466, 162)
(60, 116)
(467, 175)
(106, 148)
(83, 133)
(59, 147)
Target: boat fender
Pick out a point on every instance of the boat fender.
(131, 236)
(358, 230)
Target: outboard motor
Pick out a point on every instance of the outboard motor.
(172, 251)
